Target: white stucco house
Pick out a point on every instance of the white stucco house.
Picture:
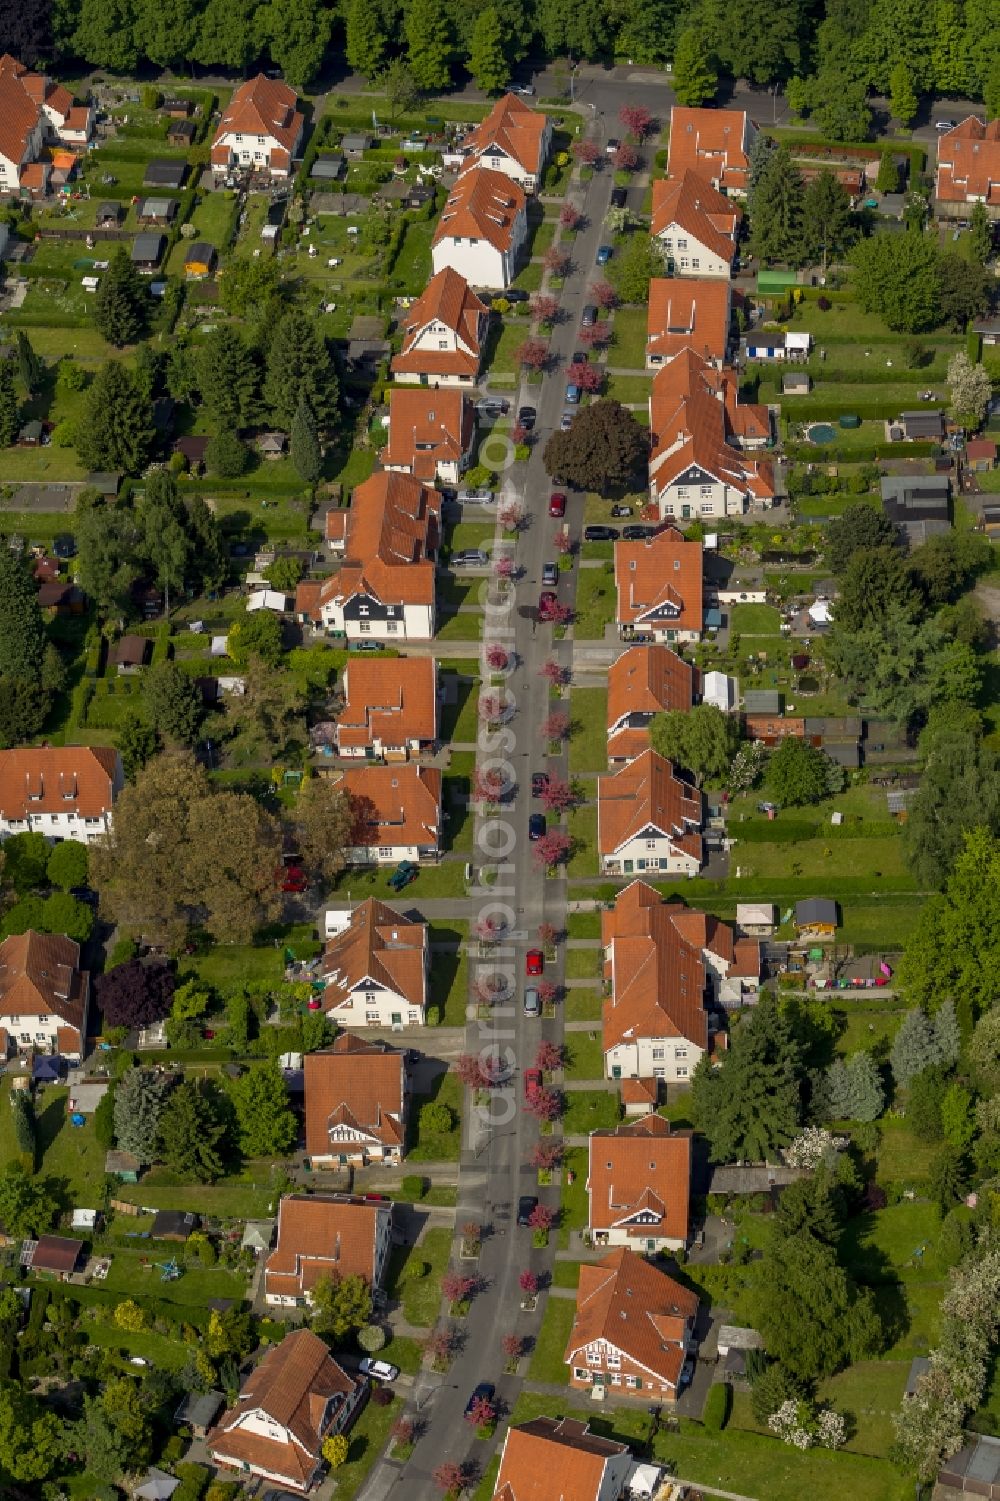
(481, 229)
(376, 966)
(63, 792)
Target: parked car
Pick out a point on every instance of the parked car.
(572, 395)
(534, 962)
(589, 315)
(581, 357)
(536, 826)
(448, 492)
(539, 782)
(621, 510)
(604, 254)
(366, 645)
(472, 557)
(687, 1371)
(532, 1084)
(527, 1203)
(493, 406)
(484, 1392)
(545, 602)
(943, 125)
(482, 497)
(527, 416)
(601, 534)
(380, 1369)
(566, 421)
(524, 89)
(291, 878)
(557, 503)
(550, 573)
(532, 1005)
(515, 294)
(612, 146)
(638, 533)
(404, 873)
(618, 197)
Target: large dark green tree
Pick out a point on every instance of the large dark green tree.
(164, 523)
(959, 791)
(304, 447)
(10, 407)
(108, 541)
(226, 371)
(861, 526)
(365, 41)
(116, 430)
(23, 701)
(299, 368)
(811, 1315)
(749, 1106)
(192, 1133)
(827, 227)
(603, 449)
(897, 276)
(954, 952)
(173, 703)
(121, 301)
(776, 209)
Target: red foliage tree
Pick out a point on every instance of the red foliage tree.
(471, 1231)
(470, 1070)
(491, 706)
(626, 158)
(497, 656)
(546, 1154)
(533, 354)
(547, 935)
(511, 516)
(588, 377)
(604, 294)
(563, 543)
(558, 796)
(512, 1345)
(404, 1430)
(547, 991)
(488, 787)
(549, 1057)
(504, 568)
(570, 217)
(519, 433)
(556, 260)
(544, 1104)
(552, 671)
(555, 726)
(636, 119)
(481, 1413)
(441, 1345)
(541, 1217)
(488, 929)
(594, 337)
(528, 1283)
(456, 1287)
(134, 994)
(449, 1477)
(545, 308)
(587, 153)
(552, 849)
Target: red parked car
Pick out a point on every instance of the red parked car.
(546, 600)
(292, 878)
(534, 962)
(532, 1082)
(557, 504)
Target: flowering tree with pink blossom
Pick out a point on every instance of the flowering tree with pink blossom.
(497, 656)
(549, 1057)
(489, 786)
(604, 294)
(594, 337)
(547, 935)
(541, 1217)
(519, 434)
(552, 849)
(547, 991)
(588, 377)
(557, 261)
(528, 1283)
(556, 613)
(504, 569)
(563, 543)
(544, 1104)
(470, 1070)
(512, 1346)
(587, 153)
(636, 119)
(626, 158)
(488, 929)
(451, 1478)
(546, 1155)
(558, 796)
(491, 706)
(552, 671)
(481, 1413)
(555, 726)
(544, 308)
(570, 217)
(457, 1287)
(511, 515)
(440, 1347)
(533, 354)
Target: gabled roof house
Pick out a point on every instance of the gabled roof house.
(397, 813)
(513, 139)
(695, 225)
(260, 129)
(481, 229)
(968, 166)
(714, 143)
(639, 1186)
(326, 1235)
(659, 585)
(33, 112)
(648, 819)
(390, 707)
(375, 964)
(634, 1327)
(559, 1459)
(63, 792)
(692, 313)
(642, 682)
(44, 995)
(355, 1102)
(444, 332)
(431, 434)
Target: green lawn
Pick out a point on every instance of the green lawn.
(588, 744)
(412, 269)
(131, 1279)
(449, 989)
(231, 964)
(590, 1110)
(583, 1005)
(629, 347)
(463, 627)
(583, 860)
(573, 1202)
(583, 925)
(366, 1441)
(903, 1157)
(584, 964)
(529, 279)
(457, 831)
(446, 879)
(880, 859)
(160, 1350)
(512, 336)
(566, 1273)
(755, 620)
(420, 1296)
(422, 1146)
(71, 1154)
(596, 598)
(630, 390)
(865, 1020)
(547, 1362)
(585, 1054)
(240, 1197)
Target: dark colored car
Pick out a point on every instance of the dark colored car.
(404, 873)
(484, 1392)
(366, 645)
(638, 532)
(515, 294)
(600, 534)
(545, 602)
(526, 1206)
(589, 315)
(557, 504)
(536, 826)
(539, 782)
(604, 254)
(534, 962)
(581, 357)
(448, 492)
(618, 197)
(526, 416)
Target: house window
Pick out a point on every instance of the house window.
(684, 262)
(442, 343)
(362, 609)
(682, 244)
(371, 1018)
(385, 849)
(593, 1357)
(580, 1375)
(651, 844)
(413, 1018)
(616, 1380)
(258, 156)
(364, 625)
(680, 1052)
(695, 262)
(706, 489)
(659, 1073)
(390, 609)
(634, 1382)
(614, 1360)
(392, 625)
(25, 1036)
(659, 1053)
(239, 138)
(681, 1073)
(668, 243)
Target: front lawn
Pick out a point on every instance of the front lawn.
(366, 1441)
(585, 1054)
(583, 860)
(596, 598)
(629, 348)
(588, 743)
(584, 964)
(424, 1146)
(583, 925)
(590, 1110)
(583, 1005)
(630, 390)
(459, 719)
(446, 879)
(448, 992)
(547, 1363)
(420, 1295)
(574, 1205)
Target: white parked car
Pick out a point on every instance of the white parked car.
(380, 1369)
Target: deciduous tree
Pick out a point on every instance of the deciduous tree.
(695, 79)
(135, 994)
(365, 41)
(702, 740)
(970, 389)
(31, 1441)
(340, 1304)
(897, 276)
(428, 45)
(173, 703)
(487, 56)
(267, 1127)
(603, 449)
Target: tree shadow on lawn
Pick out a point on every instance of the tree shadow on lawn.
(870, 1267)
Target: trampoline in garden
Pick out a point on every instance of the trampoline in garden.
(821, 432)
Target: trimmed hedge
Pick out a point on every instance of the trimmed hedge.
(717, 1406)
(865, 453)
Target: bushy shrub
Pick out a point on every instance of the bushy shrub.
(717, 1406)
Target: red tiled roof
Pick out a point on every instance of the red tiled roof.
(21, 97)
(657, 977)
(712, 142)
(393, 527)
(694, 411)
(691, 202)
(262, 107)
(448, 300)
(428, 428)
(293, 1386)
(47, 779)
(319, 1236)
(379, 944)
(483, 205)
(515, 129)
(359, 1087)
(639, 1310)
(647, 794)
(637, 1170)
(39, 976)
(660, 573)
(554, 1459)
(688, 313)
(392, 700)
(640, 1091)
(644, 680)
(969, 162)
(394, 805)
